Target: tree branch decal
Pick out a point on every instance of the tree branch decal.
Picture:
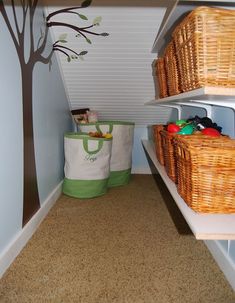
(5, 17)
(63, 52)
(35, 53)
(80, 30)
(44, 59)
(15, 18)
(69, 9)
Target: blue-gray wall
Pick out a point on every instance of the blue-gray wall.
(51, 120)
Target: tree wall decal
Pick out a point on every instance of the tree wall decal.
(27, 62)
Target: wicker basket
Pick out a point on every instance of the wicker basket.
(169, 154)
(206, 173)
(161, 78)
(172, 70)
(205, 44)
(158, 142)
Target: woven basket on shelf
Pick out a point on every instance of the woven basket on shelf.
(172, 70)
(205, 46)
(169, 154)
(158, 142)
(161, 78)
(206, 173)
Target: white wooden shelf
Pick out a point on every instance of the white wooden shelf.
(221, 96)
(203, 226)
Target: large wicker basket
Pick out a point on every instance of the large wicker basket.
(205, 44)
(161, 78)
(158, 142)
(169, 154)
(206, 173)
(172, 70)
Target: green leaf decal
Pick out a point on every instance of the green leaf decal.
(68, 59)
(62, 37)
(63, 41)
(97, 21)
(88, 40)
(83, 17)
(83, 53)
(86, 3)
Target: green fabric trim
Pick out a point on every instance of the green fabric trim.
(76, 135)
(97, 126)
(84, 188)
(82, 136)
(85, 146)
(118, 178)
(109, 123)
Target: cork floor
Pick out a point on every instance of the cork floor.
(123, 247)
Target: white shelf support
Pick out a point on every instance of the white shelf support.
(227, 104)
(207, 107)
(178, 107)
(222, 103)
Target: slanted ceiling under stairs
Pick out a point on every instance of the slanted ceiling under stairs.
(116, 76)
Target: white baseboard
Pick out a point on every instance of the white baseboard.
(223, 260)
(141, 170)
(21, 239)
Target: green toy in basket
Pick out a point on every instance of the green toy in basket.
(181, 127)
(186, 130)
(121, 157)
(87, 165)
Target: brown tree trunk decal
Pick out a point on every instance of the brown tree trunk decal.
(31, 197)
(17, 32)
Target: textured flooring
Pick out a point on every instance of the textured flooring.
(123, 247)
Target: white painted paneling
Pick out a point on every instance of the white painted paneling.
(116, 76)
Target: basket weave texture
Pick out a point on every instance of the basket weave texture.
(169, 154)
(161, 78)
(172, 70)
(206, 173)
(205, 44)
(158, 142)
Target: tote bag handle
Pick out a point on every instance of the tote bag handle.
(92, 152)
(110, 128)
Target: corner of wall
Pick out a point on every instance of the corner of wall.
(23, 236)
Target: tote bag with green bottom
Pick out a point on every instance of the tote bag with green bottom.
(121, 157)
(87, 165)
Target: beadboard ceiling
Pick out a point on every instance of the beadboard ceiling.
(116, 76)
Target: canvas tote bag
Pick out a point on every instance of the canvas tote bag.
(121, 157)
(87, 165)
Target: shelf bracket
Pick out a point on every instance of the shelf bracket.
(207, 107)
(178, 107)
(217, 103)
(224, 103)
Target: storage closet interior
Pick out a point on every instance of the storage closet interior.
(217, 103)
